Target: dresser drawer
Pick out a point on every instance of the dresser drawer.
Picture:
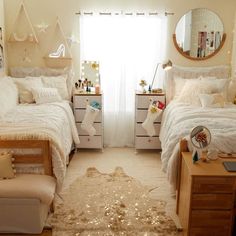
(141, 115)
(214, 218)
(216, 231)
(144, 101)
(90, 142)
(81, 101)
(79, 115)
(213, 185)
(212, 201)
(140, 131)
(147, 143)
(97, 126)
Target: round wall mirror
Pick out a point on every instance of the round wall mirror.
(199, 34)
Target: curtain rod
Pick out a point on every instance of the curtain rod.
(125, 13)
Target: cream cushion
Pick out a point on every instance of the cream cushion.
(25, 86)
(8, 95)
(212, 100)
(41, 187)
(179, 85)
(191, 90)
(46, 95)
(58, 82)
(6, 168)
(218, 85)
(232, 90)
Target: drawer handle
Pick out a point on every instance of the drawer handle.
(88, 139)
(149, 140)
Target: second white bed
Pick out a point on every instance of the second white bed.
(178, 121)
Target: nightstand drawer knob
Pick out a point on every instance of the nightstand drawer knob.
(88, 139)
(149, 140)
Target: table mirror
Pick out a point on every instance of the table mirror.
(200, 137)
(199, 34)
(90, 72)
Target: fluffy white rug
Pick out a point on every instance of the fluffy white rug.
(109, 204)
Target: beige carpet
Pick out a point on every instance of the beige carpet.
(110, 204)
(144, 166)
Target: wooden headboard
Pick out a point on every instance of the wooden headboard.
(43, 158)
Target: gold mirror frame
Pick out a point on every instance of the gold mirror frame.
(189, 24)
(199, 58)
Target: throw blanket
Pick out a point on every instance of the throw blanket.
(52, 121)
(178, 121)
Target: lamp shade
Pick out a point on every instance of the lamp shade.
(167, 65)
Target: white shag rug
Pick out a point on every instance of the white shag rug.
(107, 205)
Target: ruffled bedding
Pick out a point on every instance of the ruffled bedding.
(52, 121)
(178, 121)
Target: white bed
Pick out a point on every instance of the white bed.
(43, 120)
(179, 119)
(52, 121)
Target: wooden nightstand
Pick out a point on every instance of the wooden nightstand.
(142, 140)
(206, 195)
(80, 102)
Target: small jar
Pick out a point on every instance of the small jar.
(97, 88)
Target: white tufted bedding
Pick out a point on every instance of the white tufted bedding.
(178, 119)
(51, 121)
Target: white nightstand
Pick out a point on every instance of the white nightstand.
(80, 102)
(142, 140)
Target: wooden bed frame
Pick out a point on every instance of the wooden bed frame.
(183, 147)
(44, 157)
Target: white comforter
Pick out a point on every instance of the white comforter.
(52, 121)
(178, 121)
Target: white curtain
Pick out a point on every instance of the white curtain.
(128, 48)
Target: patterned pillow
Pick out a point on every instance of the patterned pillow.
(46, 95)
(7, 170)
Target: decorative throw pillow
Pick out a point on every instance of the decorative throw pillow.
(25, 86)
(232, 90)
(46, 95)
(218, 85)
(212, 100)
(58, 82)
(191, 90)
(6, 167)
(179, 83)
(8, 95)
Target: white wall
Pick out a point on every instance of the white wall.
(48, 10)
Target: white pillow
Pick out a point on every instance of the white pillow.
(232, 90)
(46, 95)
(191, 90)
(25, 86)
(58, 82)
(179, 84)
(212, 100)
(8, 95)
(218, 85)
